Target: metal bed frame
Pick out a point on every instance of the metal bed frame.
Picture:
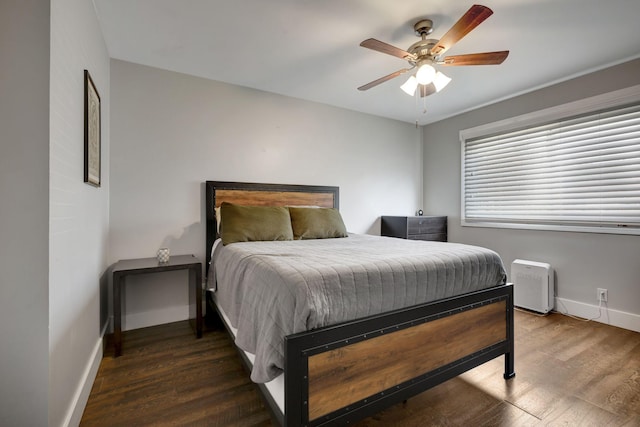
(342, 373)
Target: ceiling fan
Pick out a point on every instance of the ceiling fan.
(426, 53)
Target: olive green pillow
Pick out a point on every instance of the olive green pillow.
(254, 223)
(316, 223)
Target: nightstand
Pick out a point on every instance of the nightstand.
(415, 227)
(127, 267)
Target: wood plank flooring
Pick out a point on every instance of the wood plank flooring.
(568, 373)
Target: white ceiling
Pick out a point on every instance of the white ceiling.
(309, 49)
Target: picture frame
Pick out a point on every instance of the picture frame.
(92, 132)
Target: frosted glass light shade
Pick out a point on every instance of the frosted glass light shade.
(440, 81)
(425, 74)
(409, 87)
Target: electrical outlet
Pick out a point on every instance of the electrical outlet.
(602, 295)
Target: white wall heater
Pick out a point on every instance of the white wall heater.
(532, 285)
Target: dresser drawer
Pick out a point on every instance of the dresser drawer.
(435, 237)
(426, 225)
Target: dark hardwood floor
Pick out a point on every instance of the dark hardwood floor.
(568, 373)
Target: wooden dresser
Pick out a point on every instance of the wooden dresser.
(415, 227)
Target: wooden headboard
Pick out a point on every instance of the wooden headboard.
(255, 194)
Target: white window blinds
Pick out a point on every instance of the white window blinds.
(580, 171)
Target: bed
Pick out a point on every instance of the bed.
(346, 371)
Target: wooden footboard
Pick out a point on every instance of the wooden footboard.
(344, 373)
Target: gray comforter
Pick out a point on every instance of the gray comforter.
(273, 289)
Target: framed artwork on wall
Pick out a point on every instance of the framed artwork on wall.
(91, 132)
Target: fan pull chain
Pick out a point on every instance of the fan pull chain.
(424, 104)
(416, 96)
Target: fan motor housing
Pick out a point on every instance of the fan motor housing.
(422, 48)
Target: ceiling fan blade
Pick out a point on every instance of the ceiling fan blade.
(486, 58)
(426, 90)
(386, 48)
(383, 79)
(470, 20)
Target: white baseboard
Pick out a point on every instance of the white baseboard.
(81, 396)
(607, 316)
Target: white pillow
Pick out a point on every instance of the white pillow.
(218, 219)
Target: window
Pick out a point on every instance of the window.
(574, 167)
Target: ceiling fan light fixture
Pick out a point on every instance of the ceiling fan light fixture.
(409, 87)
(440, 81)
(424, 54)
(426, 73)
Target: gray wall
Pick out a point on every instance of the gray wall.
(583, 261)
(79, 213)
(53, 227)
(24, 212)
(170, 132)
